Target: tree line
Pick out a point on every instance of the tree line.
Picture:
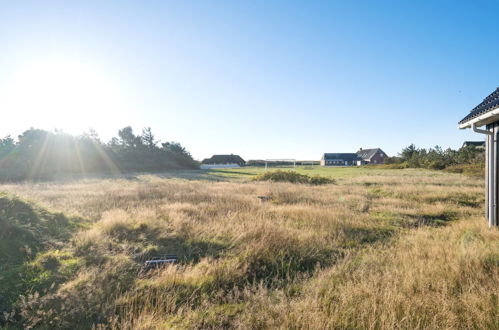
(438, 158)
(40, 154)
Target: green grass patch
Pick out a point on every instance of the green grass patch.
(249, 172)
(26, 229)
(293, 177)
(26, 232)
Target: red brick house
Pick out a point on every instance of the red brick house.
(372, 156)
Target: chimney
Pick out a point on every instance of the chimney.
(360, 149)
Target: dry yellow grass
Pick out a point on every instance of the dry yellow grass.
(396, 249)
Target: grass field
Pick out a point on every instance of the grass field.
(332, 172)
(401, 249)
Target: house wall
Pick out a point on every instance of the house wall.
(378, 158)
(337, 162)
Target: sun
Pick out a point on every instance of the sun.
(62, 93)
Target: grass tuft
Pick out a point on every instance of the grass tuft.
(293, 177)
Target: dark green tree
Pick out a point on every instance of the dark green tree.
(407, 153)
(128, 139)
(176, 148)
(148, 138)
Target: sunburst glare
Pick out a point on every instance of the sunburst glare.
(63, 93)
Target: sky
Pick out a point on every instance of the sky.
(262, 79)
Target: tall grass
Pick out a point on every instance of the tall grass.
(395, 249)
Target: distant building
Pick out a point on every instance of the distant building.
(372, 156)
(223, 161)
(476, 144)
(340, 159)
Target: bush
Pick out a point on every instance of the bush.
(438, 159)
(317, 180)
(293, 177)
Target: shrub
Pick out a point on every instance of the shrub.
(437, 158)
(293, 177)
(317, 179)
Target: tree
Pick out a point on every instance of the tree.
(127, 138)
(40, 154)
(91, 135)
(176, 148)
(408, 152)
(7, 144)
(148, 138)
(468, 155)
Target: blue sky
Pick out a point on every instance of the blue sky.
(263, 79)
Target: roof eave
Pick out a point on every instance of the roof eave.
(481, 120)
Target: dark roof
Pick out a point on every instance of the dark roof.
(224, 159)
(341, 156)
(474, 143)
(490, 103)
(367, 154)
